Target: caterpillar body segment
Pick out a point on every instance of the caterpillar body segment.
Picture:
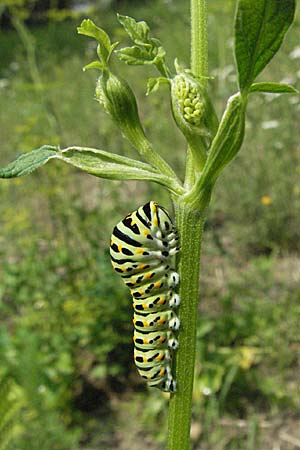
(158, 302)
(149, 358)
(155, 339)
(164, 320)
(143, 246)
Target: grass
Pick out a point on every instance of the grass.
(59, 298)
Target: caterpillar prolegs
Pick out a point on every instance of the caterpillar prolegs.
(143, 246)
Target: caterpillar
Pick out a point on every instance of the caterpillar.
(142, 250)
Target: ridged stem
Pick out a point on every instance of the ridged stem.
(189, 221)
(199, 42)
(199, 59)
(190, 224)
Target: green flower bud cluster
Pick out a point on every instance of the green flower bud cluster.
(189, 99)
(190, 108)
(194, 114)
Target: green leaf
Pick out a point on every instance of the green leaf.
(106, 165)
(28, 162)
(273, 88)
(154, 83)
(88, 28)
(228, 140)
(94, 65)
(141, 55)
(93, 161)
(146, 51)
(137, 31)
(160, 56)
(135, 55)
(260, 27)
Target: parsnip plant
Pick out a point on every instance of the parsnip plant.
(260, 28)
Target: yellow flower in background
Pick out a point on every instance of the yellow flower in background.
(266, 200)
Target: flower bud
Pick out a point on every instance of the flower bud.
(118, 100)
(187, 101)
(193, 114)
(188, 105)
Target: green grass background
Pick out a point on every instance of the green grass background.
(65, 317)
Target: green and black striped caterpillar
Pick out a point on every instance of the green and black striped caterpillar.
(143, 246)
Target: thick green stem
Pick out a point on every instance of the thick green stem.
(199, 44)
(189, 179)
(190, 224)
(189, 221)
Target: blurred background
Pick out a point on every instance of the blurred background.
(67, 379)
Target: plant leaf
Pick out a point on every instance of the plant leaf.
(94, 65)
(88, 28)
(105, 164)
(154, 83)
(93, 161)
(28, 162)
(146, 51)
(227, 141)
(160, 55)
(137, 31)
(135, 55)
(260, 28)
(273, 88)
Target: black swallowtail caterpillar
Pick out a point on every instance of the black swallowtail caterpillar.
(142, 251)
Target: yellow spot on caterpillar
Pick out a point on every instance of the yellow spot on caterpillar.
(132, 223)
(144, 359)
(141, 292)
(120, 248)
(155, 222)
(159, 357)
(145, 324)
(123, 269)
(161, 339)
(162, 372)
(148, 275)
(157, 284)
(141, 266)
(162, 321)
(146, 232)
(140, 251)
(161, 301)
(146, 341)
(145, 306)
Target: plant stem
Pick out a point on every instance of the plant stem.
(190, 224)
(146, 150)
(189, 221)
(199, 43)
(189, 170)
